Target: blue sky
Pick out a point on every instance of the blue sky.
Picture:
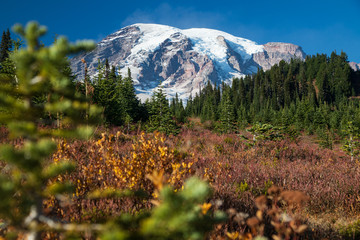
(318, 26)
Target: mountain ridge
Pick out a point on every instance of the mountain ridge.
(183, 60)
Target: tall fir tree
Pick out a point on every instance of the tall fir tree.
(323, 84)
(160, 116)
(177, 109)
(5, 46)
(106, 95)
(227, 115)
(129, 99)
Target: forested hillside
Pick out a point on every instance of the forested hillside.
(317, 93)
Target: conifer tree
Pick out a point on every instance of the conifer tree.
(160, 115)
(177, 109)
(301, 79)
(257, 84)
(351, 145)
(227, 115)
(129, 99)
(241, 92)
(5, 46)
(107, 95)
(107, 69)
(242, 117)
(323, 84)
(189, 106)
(340, 72)
(23, 191)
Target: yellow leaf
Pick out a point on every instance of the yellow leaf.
(205, 207)
(157, 178)
(233, 235)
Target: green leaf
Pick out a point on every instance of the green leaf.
(20, 128)
(58, 168)
(18, 158)
(85, 132)
(113, 233)
(196, 190)
(113, 193)
(58, 188)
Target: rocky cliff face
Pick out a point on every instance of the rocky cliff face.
(177, 66)
(182, 60)
(274, 52)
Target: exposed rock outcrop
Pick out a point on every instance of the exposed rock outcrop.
(274, 52)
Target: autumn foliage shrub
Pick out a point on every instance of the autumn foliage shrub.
(109, 166)
(149, 154)
(119, 161)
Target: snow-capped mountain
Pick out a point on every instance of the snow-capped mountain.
(183, 60)
(355, 66)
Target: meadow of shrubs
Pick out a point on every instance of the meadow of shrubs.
(238, 170)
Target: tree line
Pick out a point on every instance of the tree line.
(318, 93)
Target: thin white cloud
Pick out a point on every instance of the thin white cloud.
(182, 17)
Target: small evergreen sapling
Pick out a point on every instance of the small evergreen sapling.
(265, 132)
(38, 72)
(352, 145)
